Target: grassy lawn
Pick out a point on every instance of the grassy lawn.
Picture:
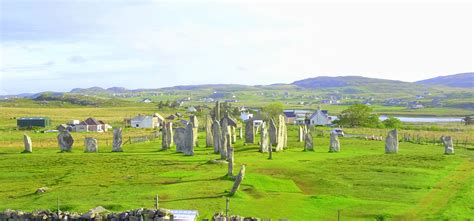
(361, 181)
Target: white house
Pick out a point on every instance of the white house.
(320, 117)
(146, 100)
(245, 115)
(141, 121)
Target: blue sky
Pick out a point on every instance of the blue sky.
(63, 44)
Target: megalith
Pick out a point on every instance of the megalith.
(118, 141)
(391, 142)
(238, 180)
(91, 145)
(65, 141)
(334, 145)
(448, 144)
(28, 144)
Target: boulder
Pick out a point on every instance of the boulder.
(448, 144)
(117, 142)
(334, 145)
(65, 141)
(391, 142)
(91, 145)
(28, 144)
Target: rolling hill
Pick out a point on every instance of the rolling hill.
(464, 80)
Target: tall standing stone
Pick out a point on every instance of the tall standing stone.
(282, 134)
(334, 145)
(217, 136)
(28, 144)
(300, 133)
(249, 132)
(230, 157)
(209, 137)
(189, 141)
(195, 123)
(264, 141)
(179, 137)
(308, 142)
(65, 141)
(391, 142)
(223, 147)
(91, 145)
(117, 143)
(238, 180)
(240, 133)
(273, 133)
(167, 135)
(234, 134)
(217, 111)
(448, 144)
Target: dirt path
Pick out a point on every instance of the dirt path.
(441, 193)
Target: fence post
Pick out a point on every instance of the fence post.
(227, 204)
(338, 215)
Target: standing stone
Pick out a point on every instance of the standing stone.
(308, 142)
(334, 145)
(217, 136)
(28, 144)
(217, 111)
(240, 133)
(117, 143)
(223, 147)
(264, 141)
(234, 134)
(195, 123)
(249, 132)
(189, 141)
(282, 134)
(209, 137)
(179, 136)
(65, 141)
(230, 157)
(238, 180)
(391, 142)
(300, 133)
(273, 133)
(167, 135)
(270, 153)
(448, 144)
(91, 145)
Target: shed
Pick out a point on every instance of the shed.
(28, 122)
(184, 215)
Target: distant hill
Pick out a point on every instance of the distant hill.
(464, 80)
(357, 84)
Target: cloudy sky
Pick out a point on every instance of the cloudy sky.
(62, 44)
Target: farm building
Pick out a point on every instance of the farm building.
(320, 117)
(29, 122)
(91, 125)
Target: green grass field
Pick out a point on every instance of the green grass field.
(361, 181)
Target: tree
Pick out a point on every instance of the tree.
(392, 122)
(358, 115)
(272, 110)
(468, 120)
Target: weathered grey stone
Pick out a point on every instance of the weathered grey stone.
(209, 137)
(264, 140)
(249, 132)
(282, 134)
(189, 141)
(28, 144)
(308, 142)
(167, 135)
(223, 146)
(448, 144)
(195, 123)
(91, 145)
(334, 145)
(93, 213)
(41, 190)
(217, 111)
(238, 180)
(179, 137)
(65, 141)
(117, 143)
(230, 157)
(217, 136)
(272, 133)
(391, 142)
(270, 152)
